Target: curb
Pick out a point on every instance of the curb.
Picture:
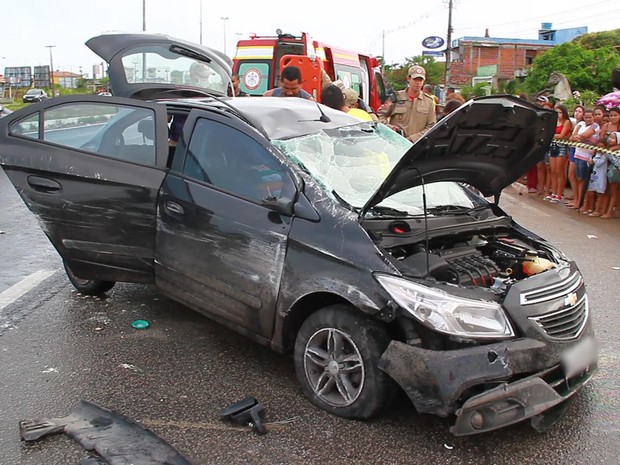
(520, 188)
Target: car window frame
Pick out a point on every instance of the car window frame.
(39, 108)
(181, 153)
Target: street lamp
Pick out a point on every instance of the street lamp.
(200, 22)
(51, 67)
(143, 15)
(224, 19)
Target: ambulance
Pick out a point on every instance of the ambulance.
(259, 60)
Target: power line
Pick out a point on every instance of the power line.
(537, 18)
(403, 27)
(582, 19)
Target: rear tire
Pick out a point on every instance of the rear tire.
(88, 286)
(337, 352)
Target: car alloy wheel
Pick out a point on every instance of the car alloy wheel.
(334, 367)
(337, 353)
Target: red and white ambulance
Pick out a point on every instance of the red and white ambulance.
(259, 60)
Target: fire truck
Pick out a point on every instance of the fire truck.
(259, 60)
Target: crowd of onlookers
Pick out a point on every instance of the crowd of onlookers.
(585, 154)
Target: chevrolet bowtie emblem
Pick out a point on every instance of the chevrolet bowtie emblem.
(570, 299)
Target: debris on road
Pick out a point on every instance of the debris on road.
(248, 411)
(114, 437)
(140, 324)
(129, 366)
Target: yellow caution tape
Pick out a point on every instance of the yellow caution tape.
(568, 143)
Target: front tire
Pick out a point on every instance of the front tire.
(88, 286)
(337, 351)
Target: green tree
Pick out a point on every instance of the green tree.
(585, 69)
(396, 74)
(599, 39)
(82, 83)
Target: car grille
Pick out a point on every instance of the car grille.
(544, 294)
(564, 324)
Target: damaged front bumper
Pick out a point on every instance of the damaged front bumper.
(491, 386)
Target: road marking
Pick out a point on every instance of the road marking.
(28, 283)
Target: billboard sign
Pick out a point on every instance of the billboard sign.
(19, 76)
(433, 42)
(432, 53)
(42, 76)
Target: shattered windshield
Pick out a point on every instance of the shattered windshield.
(351, 163)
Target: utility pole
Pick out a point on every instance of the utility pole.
(382, 50)
(143, 30)
(51, 67)
(448, 45)
(224, 19)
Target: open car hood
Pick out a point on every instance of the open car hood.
(149, 66)
(488, 142)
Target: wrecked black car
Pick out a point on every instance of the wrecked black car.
(375, 262)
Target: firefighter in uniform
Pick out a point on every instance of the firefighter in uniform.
(413, 113)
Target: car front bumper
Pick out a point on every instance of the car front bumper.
(491, 386)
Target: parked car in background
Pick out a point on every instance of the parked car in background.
(370, 259)
(34, 95)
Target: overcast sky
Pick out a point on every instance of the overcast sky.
(397, 31)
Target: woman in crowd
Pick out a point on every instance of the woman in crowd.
(572, 173)
(587, 131)
(558, 155)
(609, 139)
(543, 169)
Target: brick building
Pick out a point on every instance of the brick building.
(494, 59)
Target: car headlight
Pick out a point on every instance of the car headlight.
(447, 313)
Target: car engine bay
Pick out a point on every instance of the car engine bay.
(473, 259)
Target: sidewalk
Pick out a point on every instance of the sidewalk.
(521, 188)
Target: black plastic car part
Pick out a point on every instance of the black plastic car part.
(116, 438)
(248, 411)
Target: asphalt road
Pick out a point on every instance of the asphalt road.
(57, 347)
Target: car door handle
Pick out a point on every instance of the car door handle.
(174, 207)
(46, 184)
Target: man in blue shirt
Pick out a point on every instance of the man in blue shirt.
(290, 85)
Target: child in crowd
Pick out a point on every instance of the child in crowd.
(595, 204)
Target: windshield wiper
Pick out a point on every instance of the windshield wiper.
(388, 211)
(189, 53)
(454, 209)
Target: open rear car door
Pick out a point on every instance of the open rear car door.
(90, 168)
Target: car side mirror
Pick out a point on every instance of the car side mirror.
(282, 205)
